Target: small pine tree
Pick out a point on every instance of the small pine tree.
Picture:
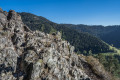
(85, 52)
(90, 53)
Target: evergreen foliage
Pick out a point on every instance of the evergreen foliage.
(109, 34)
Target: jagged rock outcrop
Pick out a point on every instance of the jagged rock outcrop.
(28, 55)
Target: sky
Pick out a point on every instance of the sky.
(90, 12)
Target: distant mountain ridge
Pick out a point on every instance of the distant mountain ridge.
(109, 34)
(83, 42)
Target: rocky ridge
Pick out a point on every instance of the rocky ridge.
(28, 55)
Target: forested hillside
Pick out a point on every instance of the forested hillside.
(111, 62)
(109, 34)
(83, 42)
